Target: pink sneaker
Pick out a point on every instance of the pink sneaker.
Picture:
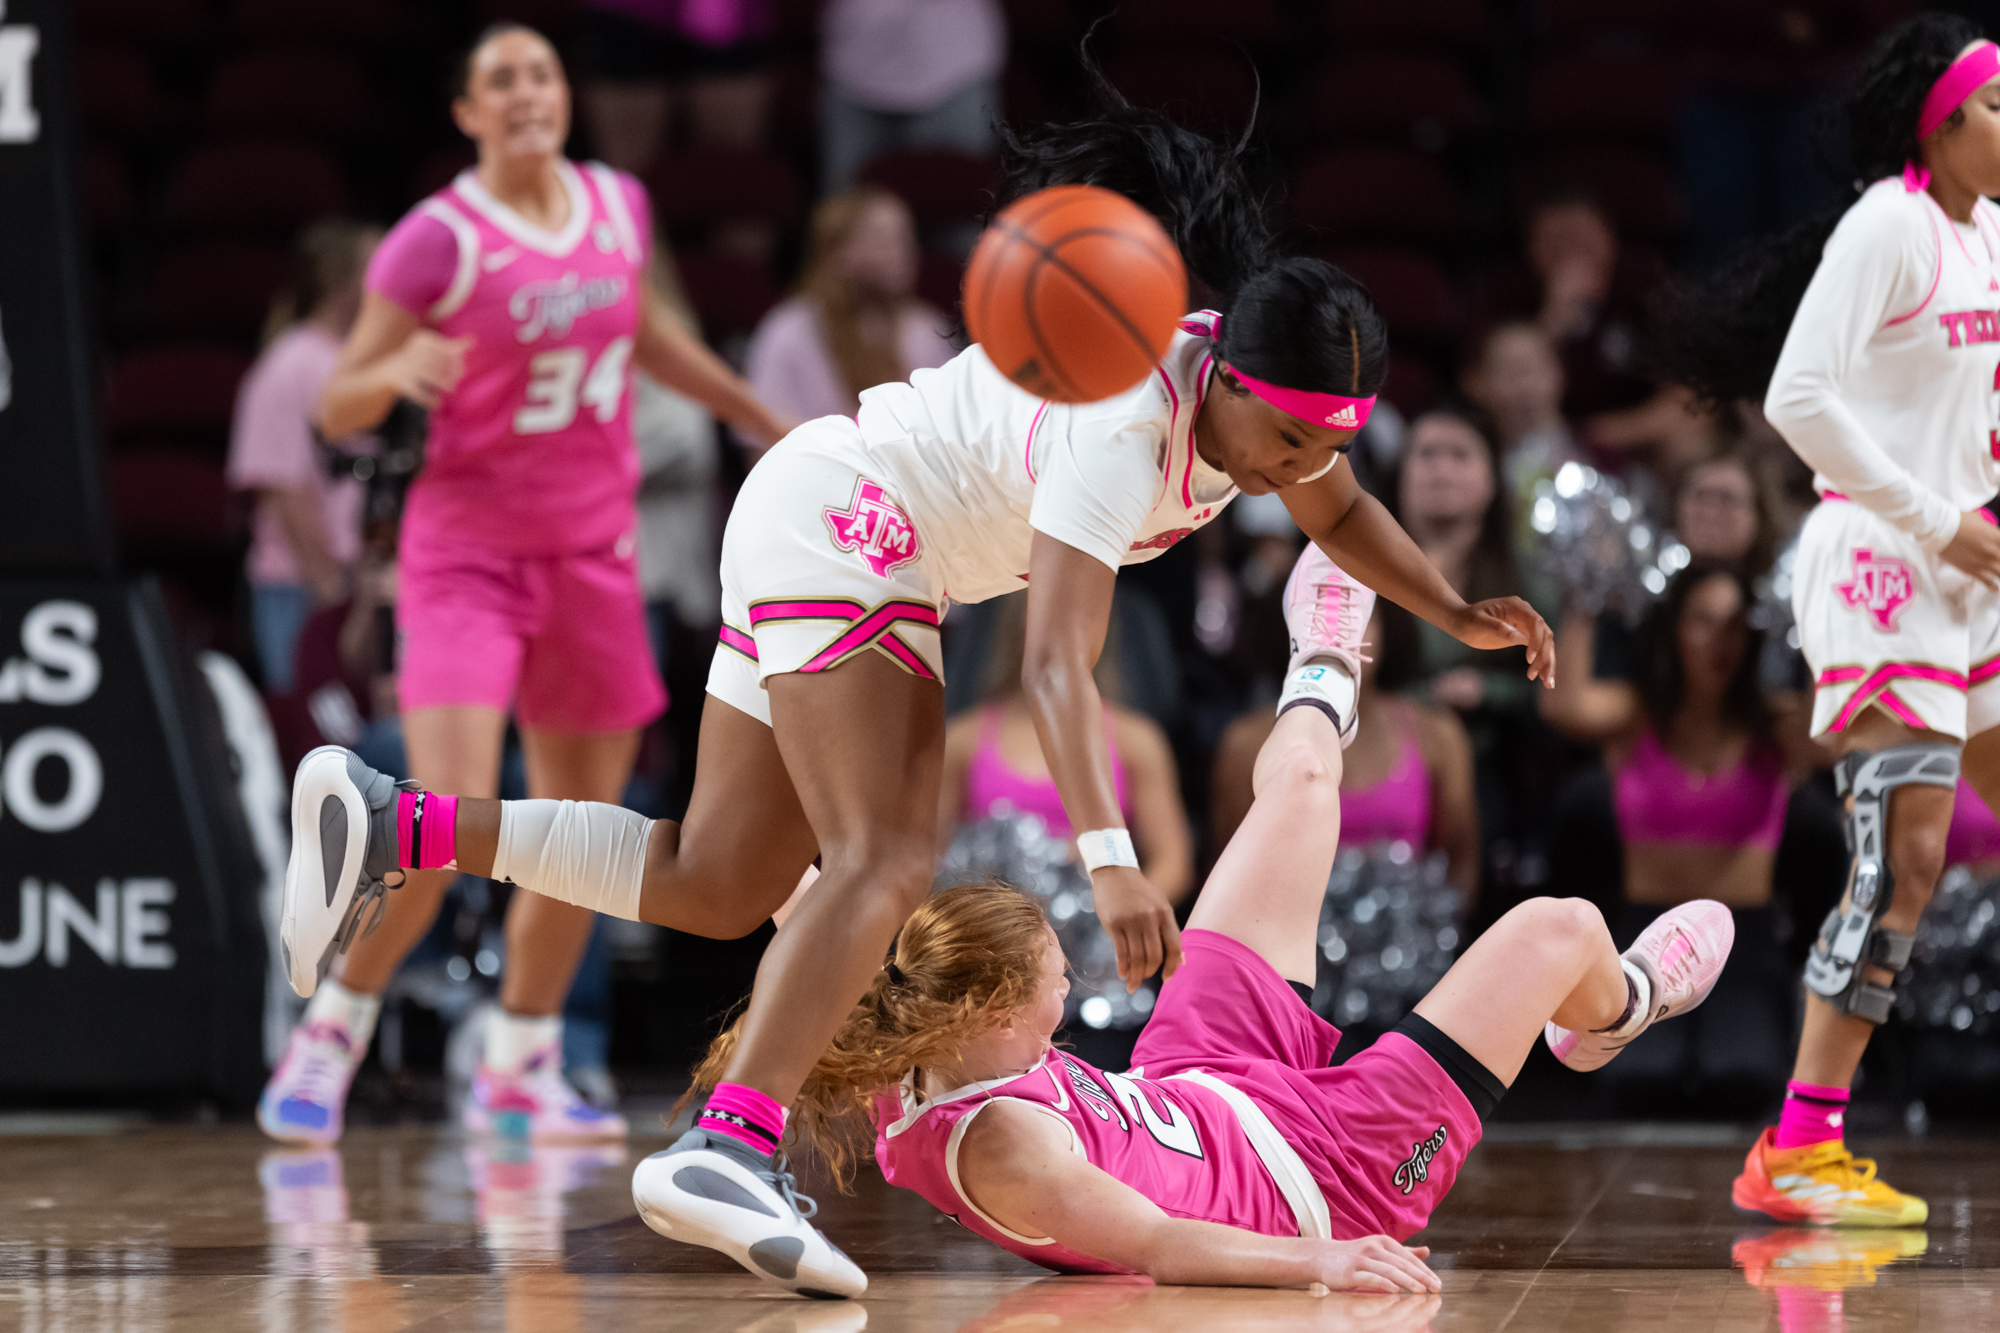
(1679, 956)
(536, 1104)
(1326, 612)
(305, 1100)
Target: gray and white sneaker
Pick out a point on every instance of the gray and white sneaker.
(715, 1191)
(343, 852)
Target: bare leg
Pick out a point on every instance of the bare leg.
(864, 744)
(1267, 887)
(454, 749)
(1549, 958)
(546, 938)
(735, 859)
(1831, 1042)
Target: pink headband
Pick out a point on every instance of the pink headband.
(1956, 84)
(1322, 409)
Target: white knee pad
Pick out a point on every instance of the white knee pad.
(581, 852)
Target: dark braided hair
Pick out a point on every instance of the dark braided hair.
(1301, 323)
(1720, 334)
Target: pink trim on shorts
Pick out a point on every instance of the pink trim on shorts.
(864, 632)
(736, 640)
(865, 628)
(1983, 672)
(1878, 683)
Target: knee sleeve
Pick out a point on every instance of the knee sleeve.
(582, 852)
(1850, 941)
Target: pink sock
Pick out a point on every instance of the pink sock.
(746, 1115)
(1812, 1114)
(426, 830)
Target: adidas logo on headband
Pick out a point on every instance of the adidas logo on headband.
(1345, 419)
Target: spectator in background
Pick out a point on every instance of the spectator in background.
(907, 74)
(307, 532)
(993, 763)
(1517, 377)
(1589, 295)
(1699, 789)
(680, 551)
(1406, 778)
(1449, 492)
(855, 321)
(650, 63)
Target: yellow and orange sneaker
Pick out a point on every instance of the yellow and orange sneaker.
(1821, 1185)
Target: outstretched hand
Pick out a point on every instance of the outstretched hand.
(1376, 1263)
(1139, 920)
(1502, 622)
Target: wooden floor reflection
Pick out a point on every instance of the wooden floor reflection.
(1597, 1232)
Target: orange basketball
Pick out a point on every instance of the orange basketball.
(1074, 293)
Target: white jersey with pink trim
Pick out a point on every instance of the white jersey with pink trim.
(532, 452)
(983, 465)
(1886, 383)
(1180, 1141)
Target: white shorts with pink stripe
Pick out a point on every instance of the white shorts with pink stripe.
(820, 563)
(1885, 624)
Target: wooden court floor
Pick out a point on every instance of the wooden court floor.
(1592, 1230)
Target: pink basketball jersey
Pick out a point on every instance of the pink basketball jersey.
(532, 452)
(1176, 1141)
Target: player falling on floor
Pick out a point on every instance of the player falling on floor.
(824, 734)
(1885, 386)
(512, 304)
(1232, 1153)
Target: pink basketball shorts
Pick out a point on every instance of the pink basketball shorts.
(1382, 1134)
(559, 639)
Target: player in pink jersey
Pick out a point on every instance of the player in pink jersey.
(1872, 335)
(511, 304)
(825, 733)
(1231, 1153)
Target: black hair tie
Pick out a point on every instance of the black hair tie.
(896, 977)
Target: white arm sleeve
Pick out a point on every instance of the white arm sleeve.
(1095, 492)
(1878, 265)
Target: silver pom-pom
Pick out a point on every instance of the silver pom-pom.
(1954, 976)
(1388, 931)
(1017, 849)
(1596, 542)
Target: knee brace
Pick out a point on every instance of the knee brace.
(1850, 942)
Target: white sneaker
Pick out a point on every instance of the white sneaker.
(1326, 612)
(1673, 966)
(306, 1099)
(343, 850)
(711, 1190)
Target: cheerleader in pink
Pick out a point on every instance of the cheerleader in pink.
(1231, 1153)
(511, 304)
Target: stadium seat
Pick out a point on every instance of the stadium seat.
(1627, 23)
(313, 93)
(1390, 194)
(215, 290)
(1216, 82)
(730, 294)
(941, 186)
(119, 94)
(1637, 186)
(1409, 288)
(1409, 98)
(1250, 23)
(1601, 97)
(1435, 25)
(169, 500)
(347, 21)
(723, 185)
(795, 101)
(255, 184)
(162, 21)
(185, 392)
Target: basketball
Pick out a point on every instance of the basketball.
(1074, 292)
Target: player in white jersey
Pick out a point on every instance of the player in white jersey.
(1885, 385)
(825, 734)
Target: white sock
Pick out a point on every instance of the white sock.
(582, 852)
(1641, 1016)
(1324, 684)
(334, 1003)
(511, 1040)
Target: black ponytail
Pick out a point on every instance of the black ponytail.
(1720, 334)
(1300, 323)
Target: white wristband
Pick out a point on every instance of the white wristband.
(1106, 847)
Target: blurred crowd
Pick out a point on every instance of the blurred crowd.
(1514, 181)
